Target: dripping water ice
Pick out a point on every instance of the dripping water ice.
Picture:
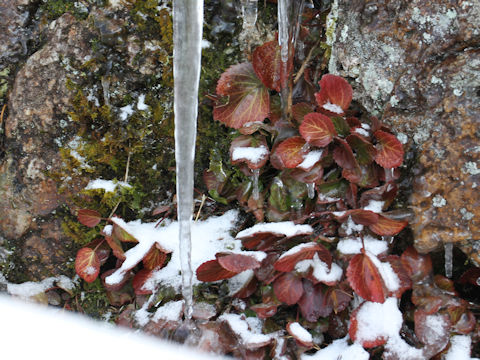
(249, 14)
(448, 259)
(255, 191)
(187, 38)
(311, 190)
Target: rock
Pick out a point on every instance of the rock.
(417, 63)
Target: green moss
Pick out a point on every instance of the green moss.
(91, 299)
(53, 9)
(4, 84)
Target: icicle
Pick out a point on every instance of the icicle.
(255, 191)
(389, 175)
(311, 190)
(187, 38)
(249, 14)
(448, 259)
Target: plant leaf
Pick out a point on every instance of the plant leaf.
(363, 217)
(267, 63)
(288, 260)
(433, 331)
(353, 329)
(264, 311)
(251, 150)
(364, 149)
(405, 281)
(313, 303)
(139, 281)
(237, 262)
(87, 264)
(317, 129)
(116, 247)
(248, 99)
(341, 125)
(288, 288)
(291, 152)
(299, 111)
(336, 91)
(416, 265)
(294, 328)
(90, 218)
(155, 258)
(389, 150)
(365, 279)
(387, 227)
(213, 271)
(120, 234)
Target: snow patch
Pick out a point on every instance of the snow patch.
(310, 159)
(339, 349)
(350, 246)
(107, 185)
(252, 154)
(300, 333)
(333, 108)
(285, 228)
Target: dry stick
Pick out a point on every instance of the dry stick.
(125, 180)
(201, 206)
(2, 113)
(304, 65)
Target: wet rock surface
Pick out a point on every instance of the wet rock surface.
(417, 64)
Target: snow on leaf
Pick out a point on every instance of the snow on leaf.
(433, 331)
(238, 262)
(87, 264)
(387, 227)
(288, 288)
(334, 90)
(251, 150)
(213, 271)
(289, 259)
(317, 129)
(389, 150)
(404, 280)
(267, 63)
(365, 278)
(300, 334)
(116, 247)
(248, 99)
(119, 233)
(291, 152)
(90, 218)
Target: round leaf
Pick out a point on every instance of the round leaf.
(291, 152)
(213, 271)
(90, 218)
(317, 129)
(87, 264)
(334, 90)
(288, 288)
(389, 150)
(365, 279)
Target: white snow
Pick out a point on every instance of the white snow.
(460, 348)
(252, 154)
(320, 270)
(141, 103)
(107, 185)
(251, 337)
(171, 311)
(362, 132)
(237, 282)
(371, 326)
(55, 330)
(297, 249)
(375, 205)
(339, 349)
(208, 238)
(300, 333)
(333, 108)
(401, 350)
(107, 230)
(389, 276)
(125, 112)
(350, 226)
(285, 228)
(29, 289)
(310, 159)
(352, 246)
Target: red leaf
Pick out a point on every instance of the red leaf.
(288, 288)
(267, 63)
(116, 246)
(387, 227)
(300, 110)
(264, 311)
(299, 333)
(291, 152)
(417, 266)
(313, 303)
(155, 258)
(353, 329)
(343, 156)
(288, 260)
(248, 99)
(336, 91)
(405, 281)
(389, 150)
(87, 264)
(365, 279)
(363, 217)
(317, 129)
(90, 218)
(251, 150)
(247, 289)
(101, 249)
(237, 262)
(139, 280)
(337, 298)
(433, 331)
(113, 287)
(213, 271)
(471, 276)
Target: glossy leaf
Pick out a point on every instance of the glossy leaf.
(264, 311)
(248, 99)
(90, 218)
(317, 129)
(249, 149)
(291, 152)
(334, 90)
(300, 110)
(155, 258)
(237, 262)
(287, 262)
(87, 264)
(288, 288)
(418, 266)
(267, 63)
(389, 150)
(363, 217)
(313, 303)
(365, 278)
(387, 227)
(213, 271)
(139, 281)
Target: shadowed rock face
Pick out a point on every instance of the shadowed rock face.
(418, 62)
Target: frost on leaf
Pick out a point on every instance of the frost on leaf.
(246, 98)
(335, 94)
(155, 258)
(389, 150)
(87, 264)
(317, 129)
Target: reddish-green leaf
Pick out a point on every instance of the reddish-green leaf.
(343, 156)
(90, 218)
(250, 150)
(389, 150)
(365, 279)
(139, 281)
(87, 264)
(288, 288)
(237, 262)
(334, 90)
(313, 175)
(101, 249)
(264, 311)
(291, 152)
(267, 63)
(387, 227)
(288, 260)
(113, 287)
(155, 257)
(364, 149)
(213, 271)
(120, 234)
(247, 98)
(116, 247)
(300, 110)
(418, 266)
(317, 129)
